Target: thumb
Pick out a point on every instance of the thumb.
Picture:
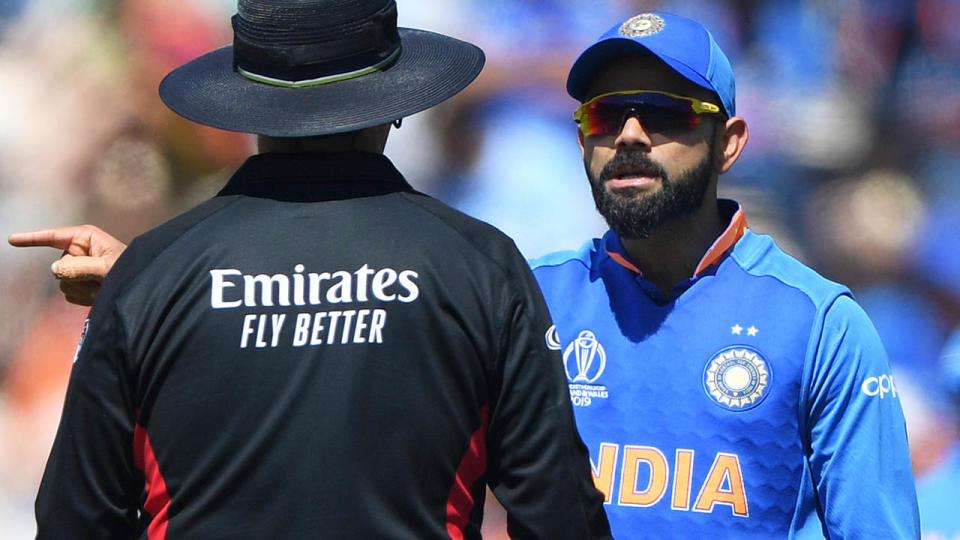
(70, 268)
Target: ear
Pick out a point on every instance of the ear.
(732, 141)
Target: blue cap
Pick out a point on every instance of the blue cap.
(685, 45)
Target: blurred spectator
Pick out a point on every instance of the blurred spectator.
(511, 138)
(862, 229)
(76, 144)
(936, 258)
(34, 388)
(939, 490)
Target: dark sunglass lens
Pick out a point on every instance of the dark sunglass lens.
(667, 119)
(657, 113)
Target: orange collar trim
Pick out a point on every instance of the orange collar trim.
(624, 262)
(733, 233)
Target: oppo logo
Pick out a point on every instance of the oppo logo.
(879, 386)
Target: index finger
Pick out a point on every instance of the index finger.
(59, 237)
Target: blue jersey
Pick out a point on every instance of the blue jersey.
(755, 402)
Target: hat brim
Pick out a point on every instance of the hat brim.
(430, 69)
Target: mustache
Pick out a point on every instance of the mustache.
(633, 160)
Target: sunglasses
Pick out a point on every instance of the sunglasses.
(658, 112)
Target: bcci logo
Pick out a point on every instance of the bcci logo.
(737, 378)
(589, 358)
(642, 25)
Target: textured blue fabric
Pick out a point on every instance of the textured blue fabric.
(767, 379)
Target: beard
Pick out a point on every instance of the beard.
(630, 212)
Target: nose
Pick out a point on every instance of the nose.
(632, 132)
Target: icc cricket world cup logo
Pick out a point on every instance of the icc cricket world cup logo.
(589, 358)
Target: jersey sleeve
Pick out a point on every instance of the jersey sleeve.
(858, 453)
(539, 467)
(89, 488)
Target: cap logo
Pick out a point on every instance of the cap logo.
(641, 25)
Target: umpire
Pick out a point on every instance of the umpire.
(319, 351)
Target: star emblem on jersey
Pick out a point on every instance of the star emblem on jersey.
(737, 330)
(737, 378)
(641, 25)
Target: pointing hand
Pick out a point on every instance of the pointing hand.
(88, 254)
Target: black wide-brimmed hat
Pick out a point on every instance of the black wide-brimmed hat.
(299, 68)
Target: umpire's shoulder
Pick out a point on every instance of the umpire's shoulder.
(146, 248)
(448, 225)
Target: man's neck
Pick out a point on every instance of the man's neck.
(674, 249)
(372, 139)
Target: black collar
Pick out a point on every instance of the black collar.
(312, 177)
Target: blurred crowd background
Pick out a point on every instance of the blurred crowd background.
(853, 165)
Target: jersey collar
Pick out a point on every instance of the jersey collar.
(736, 227)
(313, 177)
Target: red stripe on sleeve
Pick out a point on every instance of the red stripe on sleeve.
(158, 500)
(460, 502)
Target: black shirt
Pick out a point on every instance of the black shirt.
(317, 352)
